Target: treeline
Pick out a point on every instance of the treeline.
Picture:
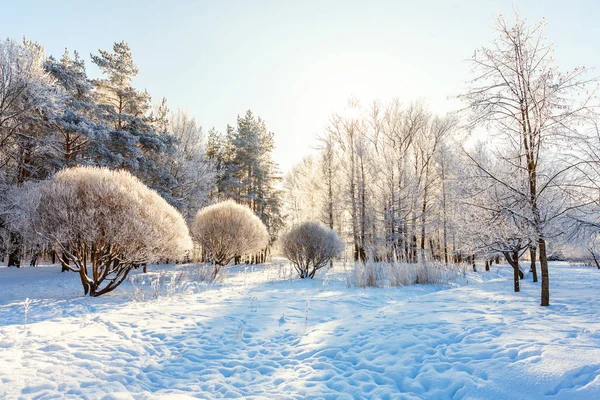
(248, 174)
(53, 115)
(515, 171)
(383, 179)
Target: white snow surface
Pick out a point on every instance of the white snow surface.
(259, 335)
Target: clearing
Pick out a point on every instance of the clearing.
(260, 334)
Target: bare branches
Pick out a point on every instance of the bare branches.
(310, 247)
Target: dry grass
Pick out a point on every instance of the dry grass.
(395, 274)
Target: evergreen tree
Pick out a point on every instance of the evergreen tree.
(246, 170)
(77, 124)
(132, 142)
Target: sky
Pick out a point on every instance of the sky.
(295, 63)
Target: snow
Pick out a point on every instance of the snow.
(259, 334)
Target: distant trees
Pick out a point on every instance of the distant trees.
(380, 179)
(76, 127)
(406, 187)
(228, 230)
(247, 173)
(310, 246)
(192, 175)
(20, 236)
(29, 103)
(108, 222)
(304, 192)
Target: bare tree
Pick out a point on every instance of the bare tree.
(520, 93)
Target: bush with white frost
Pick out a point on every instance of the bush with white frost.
(227, 230)
(310, 246)
(107, 222)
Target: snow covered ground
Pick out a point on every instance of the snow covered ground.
(259, 335)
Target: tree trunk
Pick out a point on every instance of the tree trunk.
(544, 269)
(444, 218)
(594, 258)
(34, 259)
(532, 255)
(64, 262)
(513, 259)
(14, 258)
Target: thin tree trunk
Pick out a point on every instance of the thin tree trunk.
(594, 258)
(513, 259)
(14, 257)
(544, 269)
(532, 255)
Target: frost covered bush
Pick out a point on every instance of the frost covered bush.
(107, 222)
(227, 230)
(310, 246)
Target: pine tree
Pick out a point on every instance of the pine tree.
(76, 125)
(246, 170)
(132, 142)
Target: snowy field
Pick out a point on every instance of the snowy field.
(258, 334)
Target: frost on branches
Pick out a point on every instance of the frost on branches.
(107, 222)
(310, 247)
(227, 230)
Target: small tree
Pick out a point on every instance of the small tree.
(107, 222)
(227, 230)
(310, 246)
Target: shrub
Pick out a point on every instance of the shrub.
(310, 246)
(111, 222)
(227, 230)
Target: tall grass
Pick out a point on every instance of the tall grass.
(395, 274)
(153, 285)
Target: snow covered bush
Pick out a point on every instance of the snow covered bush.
(310, 246)
(106, 222)
(227, 230)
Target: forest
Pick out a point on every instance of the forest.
(513, 174)
(411, 253)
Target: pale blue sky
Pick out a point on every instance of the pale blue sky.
(295, 62)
